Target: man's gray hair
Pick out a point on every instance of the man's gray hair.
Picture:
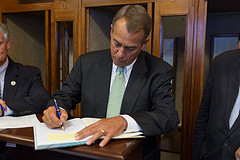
(4, 31)
(137, 19)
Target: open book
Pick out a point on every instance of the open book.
(45, 137)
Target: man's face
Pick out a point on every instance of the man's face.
(125, 46)
(4, 47)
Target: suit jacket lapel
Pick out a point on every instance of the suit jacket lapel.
(135, 84)
(11, 81)
(232, 91)
(101, 88)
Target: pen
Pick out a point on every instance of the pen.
(3, 108)
(58, 111)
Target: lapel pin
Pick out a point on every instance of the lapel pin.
(13, 83)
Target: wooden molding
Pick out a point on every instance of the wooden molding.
(33, 1)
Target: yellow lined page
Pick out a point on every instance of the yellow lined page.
(61, 136)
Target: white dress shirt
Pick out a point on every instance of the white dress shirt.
(235, 110)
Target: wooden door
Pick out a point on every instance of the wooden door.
(195, 12)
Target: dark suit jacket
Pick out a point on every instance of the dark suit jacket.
(213, 139)
(24, 92)
(148, 97)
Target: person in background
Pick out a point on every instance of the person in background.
(217, 131)
(143, 100)
(21, 88)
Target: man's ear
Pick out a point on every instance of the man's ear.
(145, 43)
(8, 44)
(111, 30)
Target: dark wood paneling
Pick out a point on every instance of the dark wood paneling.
(223, 6)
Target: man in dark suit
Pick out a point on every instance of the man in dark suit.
(21, 88)
(22, 91)
(147, 104)
(217, 132)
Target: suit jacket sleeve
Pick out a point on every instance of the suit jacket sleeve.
(161, 116)
(30, 96)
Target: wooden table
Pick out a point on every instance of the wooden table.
(115, 149)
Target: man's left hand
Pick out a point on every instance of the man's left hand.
(109, 128)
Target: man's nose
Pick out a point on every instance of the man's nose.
(120, 53)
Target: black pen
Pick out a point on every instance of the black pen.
(58, 112)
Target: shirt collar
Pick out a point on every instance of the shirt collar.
(126, 69)
(3, 69)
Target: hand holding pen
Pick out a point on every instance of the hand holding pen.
(58, 112)
(51, 119)
(3, 108)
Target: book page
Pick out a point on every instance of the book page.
(18, 122)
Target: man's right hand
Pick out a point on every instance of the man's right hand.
(2, 102)
(50, 117)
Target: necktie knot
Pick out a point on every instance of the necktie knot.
(121, 69)
(120, 74)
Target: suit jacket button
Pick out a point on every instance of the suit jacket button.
(226, 144)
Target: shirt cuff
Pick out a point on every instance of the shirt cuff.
(8, 112)
(132, 124)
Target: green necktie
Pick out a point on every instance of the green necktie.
(116, 94)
